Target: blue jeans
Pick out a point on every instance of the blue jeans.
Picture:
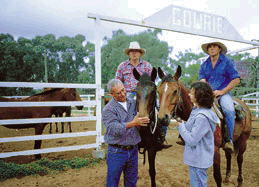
(119, 160)
(227, 105)
(198, 176)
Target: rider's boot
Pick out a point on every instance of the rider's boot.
(227, 143)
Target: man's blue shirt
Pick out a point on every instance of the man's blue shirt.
(221, 75)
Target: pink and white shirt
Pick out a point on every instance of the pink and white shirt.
(125, 73)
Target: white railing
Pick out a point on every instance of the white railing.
(247, 98)
(88, 103)
(89, 111)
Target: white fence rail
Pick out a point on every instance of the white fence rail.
(97, 133)
(252, 97)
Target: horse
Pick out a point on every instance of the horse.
(60, 111)
(58, 94)
(146, 106)
(175, 102)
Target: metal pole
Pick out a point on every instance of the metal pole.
(98, 82)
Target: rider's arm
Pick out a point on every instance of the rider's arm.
(231, 85)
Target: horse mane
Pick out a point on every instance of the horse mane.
(48, 91)
(144, 79)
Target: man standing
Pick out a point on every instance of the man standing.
(121, 121)
(219, 71)
(125, 69)
(125, 74)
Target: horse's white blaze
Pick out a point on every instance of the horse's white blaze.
(166, 87)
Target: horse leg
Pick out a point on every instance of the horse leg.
(68, 114)
(241, 149)
(70, 129)
(50, 128)
(62, 123)
(152, 168)
(38, 131)
(228, 172)
(216, 167)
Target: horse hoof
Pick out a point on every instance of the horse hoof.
(227, 179)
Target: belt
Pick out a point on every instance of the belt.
(124, 147)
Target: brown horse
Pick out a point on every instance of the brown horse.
(175, 102)
(59, 111)
(58, 94)
(146, 105)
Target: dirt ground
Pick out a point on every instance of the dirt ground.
(171, 172)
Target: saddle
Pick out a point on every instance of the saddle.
(239, 110)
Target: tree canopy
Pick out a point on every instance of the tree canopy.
(72, 60)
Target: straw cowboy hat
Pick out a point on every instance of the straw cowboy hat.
(135, 45)
(223, 47)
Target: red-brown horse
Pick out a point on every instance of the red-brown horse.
(60, 111)
(175, 102)
(58, 94)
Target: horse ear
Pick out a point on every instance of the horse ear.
(178, 73)
(160, 73)
(153, 74)
(136, 74)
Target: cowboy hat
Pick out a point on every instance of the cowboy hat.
(223, 47)
(135, 45)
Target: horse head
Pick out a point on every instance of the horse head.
(71, 94)
(169, 96)
(145, 92)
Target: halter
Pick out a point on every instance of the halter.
(153, 112)
(169, 78)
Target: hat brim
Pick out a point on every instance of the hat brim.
(224, 49)
(143, 51)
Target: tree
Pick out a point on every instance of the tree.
(112, 52)
(18, 63)
(190, 66)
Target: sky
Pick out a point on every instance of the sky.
(30, 18)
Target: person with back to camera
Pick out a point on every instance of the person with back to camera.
(198, 134)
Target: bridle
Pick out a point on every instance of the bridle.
(153, 113)
(178, 101)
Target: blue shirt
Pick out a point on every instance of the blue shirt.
(221, 75)
(115, 118)
(198, 134)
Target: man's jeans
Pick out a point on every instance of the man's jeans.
(119, 160)
(227, 105)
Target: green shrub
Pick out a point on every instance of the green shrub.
(42, 167)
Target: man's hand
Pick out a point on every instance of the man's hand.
(140, 121)
(218, 93)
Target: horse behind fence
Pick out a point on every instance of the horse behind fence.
(58, 94)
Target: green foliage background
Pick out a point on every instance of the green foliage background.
(72, 60)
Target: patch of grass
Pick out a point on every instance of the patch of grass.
(43, 167)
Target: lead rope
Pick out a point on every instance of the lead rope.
(155, 121)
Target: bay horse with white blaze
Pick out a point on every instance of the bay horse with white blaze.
(58, 94)
(175, 102)
(146, 105)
